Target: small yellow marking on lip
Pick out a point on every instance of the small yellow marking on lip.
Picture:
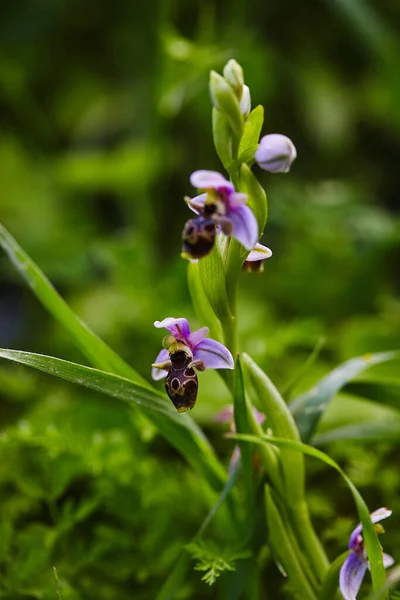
(368, 356)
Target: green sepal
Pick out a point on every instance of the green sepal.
(257, 198)
(225, 100)
(204, 312)
(233, 74)
(222, 135)
(212, 276)
(251, 134)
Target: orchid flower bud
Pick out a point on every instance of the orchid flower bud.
(275, 153)
(225, 100)
(233, 74)
(245, 101)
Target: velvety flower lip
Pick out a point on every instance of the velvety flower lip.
(356, 564)
(213, 354)
(231, 212)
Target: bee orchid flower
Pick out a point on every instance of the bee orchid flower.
(356, 564)
(221, 206)
(184, 351)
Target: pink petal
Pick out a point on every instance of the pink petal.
(179, 328)
(351, 576)
(237, 199)
(197, 203)
(213, 354)
(158, 374)
(245, 227)
(259, 252)
(210, 180)
(388, 560)
(197, 336)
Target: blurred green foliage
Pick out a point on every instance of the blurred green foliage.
(105, 115)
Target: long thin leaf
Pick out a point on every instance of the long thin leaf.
(393, 579)
(179, 429)
(242, 423)
(385, 431)
(308, 408)
(182, 434)
(95, 350)
(371, 539)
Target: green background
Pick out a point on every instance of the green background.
(105, 114)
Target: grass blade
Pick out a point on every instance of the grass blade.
(180, 430)
(308, 408)
(95, 350)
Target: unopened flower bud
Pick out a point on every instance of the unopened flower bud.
(275, 153)
(233, 74)
(225, 100)
(245, 101)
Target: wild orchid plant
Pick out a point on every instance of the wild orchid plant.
(221, 240)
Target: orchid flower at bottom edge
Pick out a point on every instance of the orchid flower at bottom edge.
(356, 564)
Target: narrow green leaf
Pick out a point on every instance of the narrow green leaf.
(212, 275)
(371, 539)
(280, 420)
(179, 429)
(242, 423)
(96, 351)
(308, 408)
(203, 309)
(222, 135)
(285, 547)
(251, 134)
(257, 198)
(385, 431)
(393, 579)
